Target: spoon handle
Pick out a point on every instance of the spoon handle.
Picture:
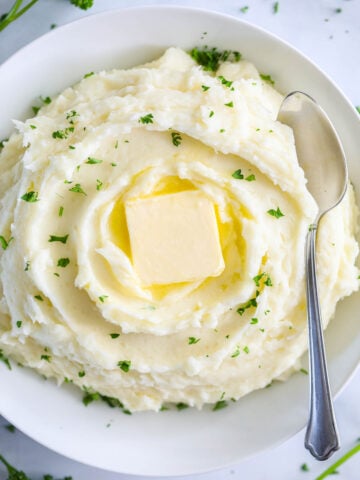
(321, 437)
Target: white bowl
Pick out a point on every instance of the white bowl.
(172, 442)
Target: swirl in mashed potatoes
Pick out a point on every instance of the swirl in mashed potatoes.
(83, 294)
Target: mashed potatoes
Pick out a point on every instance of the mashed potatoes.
(153, 224)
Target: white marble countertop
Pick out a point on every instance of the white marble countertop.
(331, 39)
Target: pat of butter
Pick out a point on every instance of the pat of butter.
(174, 238)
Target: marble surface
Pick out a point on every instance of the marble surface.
(328, 32)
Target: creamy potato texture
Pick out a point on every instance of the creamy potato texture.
(75, 305)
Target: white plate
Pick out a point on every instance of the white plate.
(168, 443)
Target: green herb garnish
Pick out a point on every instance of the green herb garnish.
(114, 335)
(18, 323)
(102, 298)
(225, 82)
(61, 211)
(90, 74)
(193, 340)
(39, 297)
(124, 365)
(63, 262)
(146, 119)
(267, 79)
(276, 7)
(236, 352)
(205, 88)
(182, 406)
(237, 174)
(99, 184)
(275, 213)
(250, 178)
(93, 161)
(176, 138)
(81, 374)
(5, 243)
(5, 360)
(304, 467)
(210, 58)
(219, 405)
(55, 238)
(47, 358)
(30, 197)
(63, 134)
(77, 189)
(265, 278)
(244, 9)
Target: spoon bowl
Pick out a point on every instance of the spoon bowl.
(322, 158)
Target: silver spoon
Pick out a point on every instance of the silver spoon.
(322, 158)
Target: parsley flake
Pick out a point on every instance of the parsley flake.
(55, 238)
(90, 74)
(237, 174)
(250, 178)
(62, 134)
(124, 365)
(225, 82)
(236, 352)
(193, 340)
(211, 113)
(114, 335)
(77, 189)
(19, 323)
(229, 104)
(5, 360)
(63, 262)
(47, 358)
(244, 9)
(146, 119)
(275, 213)
(205, 88)
(304, 467)
(61, 211)
(39, 297)
(93, 161)
(176, 138)
(30, 197)
(182, 406)
(246, 349)
(99, 184)
(81, 374)
(265, 278)
(10, 428)
(210, 58)
(220, 404)
(267, 79)
(102, 298)
(276, 7)
(5, 243)
(254, 321)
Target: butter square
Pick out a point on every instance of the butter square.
(174, 238)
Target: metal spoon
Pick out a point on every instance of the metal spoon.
(322, 158)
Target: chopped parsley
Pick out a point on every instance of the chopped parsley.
(5, 243)
(27, 266)
(99, 184)
(81, 374)
(56, 238)
(244, 9)
(77, 189)
(90, 74)
(275, 213)
(63, 262)
(182, 406)
(176, 138)
(236, 352)
(146, 119)
(93, 161)
(229, 104)
(246, 349)
(304, 371)
(18, 323)
(304, 467)
(102, 298)
(33, 127)
(61, 211)
(254, 321)
(211, 113)
(219, 405)
(210, 58)
(225, 82)
(10, 428)
(267, 79)
(114, 335)
(124, 365)
(358, 108)
(250, 178)
(39, 297)
(63, 134)
(193, 340)
(276, 7)
(47, 358)
(71, 116)
(35, 109)
(265, 279)
(5, 360)
(237, 174)
(30, 197)
(205, 88)
(249, 304)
